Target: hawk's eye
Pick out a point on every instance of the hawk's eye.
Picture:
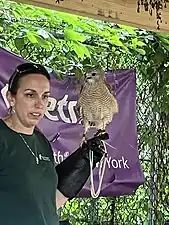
(93, 74)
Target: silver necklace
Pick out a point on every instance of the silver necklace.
(34, 154)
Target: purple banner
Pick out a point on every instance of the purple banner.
(60, 125)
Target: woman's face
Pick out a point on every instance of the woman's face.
(31, 99)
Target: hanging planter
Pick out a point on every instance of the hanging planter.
(156, 5)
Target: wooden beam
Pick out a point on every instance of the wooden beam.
(116, 11)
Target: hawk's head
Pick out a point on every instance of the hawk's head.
(94, 75)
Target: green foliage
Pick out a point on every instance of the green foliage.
(67, 41)
(70, 44)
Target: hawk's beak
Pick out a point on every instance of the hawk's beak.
(88, 78)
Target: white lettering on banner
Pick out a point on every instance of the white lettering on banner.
(60, 108)
(111, 163)
(63, 102)
(59, 157)
(3, 93)
(51, 117)
(51, 104)
(71, 110)
(56, 110)
(116, 163)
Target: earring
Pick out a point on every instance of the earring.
(11, 111)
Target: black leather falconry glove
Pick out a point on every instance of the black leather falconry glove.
(74, 171)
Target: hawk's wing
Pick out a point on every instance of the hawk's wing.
(78, 108)
(81, 89)
(108, 86)
(79, 112)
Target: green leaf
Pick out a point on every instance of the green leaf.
(115, 40)
(131, 30)
(73, 35)
(165, 39)
(43, 43)
(37, 40)
(31, 37)
(136, 43)
(77, 71)
(150, 70)
(159, 56)
(17, 14)
(19, 42)
(81, 50)
(69, 18)
(141, 51)
(1, 29)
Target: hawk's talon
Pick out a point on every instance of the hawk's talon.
(100, 132)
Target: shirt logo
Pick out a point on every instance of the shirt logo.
(44, 158)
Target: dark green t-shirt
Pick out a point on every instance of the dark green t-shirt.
(27, 189)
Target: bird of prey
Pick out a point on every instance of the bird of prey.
(96, 103)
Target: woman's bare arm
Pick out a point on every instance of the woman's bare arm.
(60, 199)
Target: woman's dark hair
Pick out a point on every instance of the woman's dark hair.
(23, 70)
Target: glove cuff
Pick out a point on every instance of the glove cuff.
(74, 171)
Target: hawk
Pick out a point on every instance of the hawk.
(96, 103)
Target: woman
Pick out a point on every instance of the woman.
(31, 187)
